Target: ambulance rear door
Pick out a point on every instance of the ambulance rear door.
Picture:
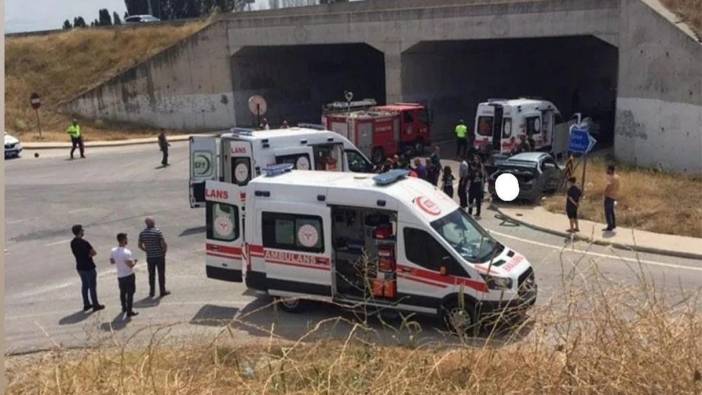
(204, 165)
(225, 233)
(237, 161)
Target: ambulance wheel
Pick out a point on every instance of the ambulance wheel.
(460, 319)
(289, 305)
(377, 156)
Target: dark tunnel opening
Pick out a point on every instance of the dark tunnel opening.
(297, 80)
(577, 74)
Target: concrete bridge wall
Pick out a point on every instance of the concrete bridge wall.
(402, 47)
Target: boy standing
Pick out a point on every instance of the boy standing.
(122, 258)
(572, 203)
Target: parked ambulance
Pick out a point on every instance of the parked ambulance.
(306, 234)
(237, 157)
(499, 123)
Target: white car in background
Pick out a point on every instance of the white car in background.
(141, 19)
(13, 147)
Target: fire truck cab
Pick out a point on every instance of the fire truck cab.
(499, 123)
(380, 131)
(381, 241)
(238, 156)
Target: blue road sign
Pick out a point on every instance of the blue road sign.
(580, 141)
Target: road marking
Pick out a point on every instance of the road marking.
(57, 243)
(16, 221)
(600, 255)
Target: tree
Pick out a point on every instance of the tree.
(104, 18)
(67, 25)
(115, 19)
(79, 22)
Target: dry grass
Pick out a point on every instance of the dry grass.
(689, 11)
(595, 336)
(648, 200)
(59, 66)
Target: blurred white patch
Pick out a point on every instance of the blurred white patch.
(507, 187)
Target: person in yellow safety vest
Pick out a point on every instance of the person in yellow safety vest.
(461, 139)
(73, 130)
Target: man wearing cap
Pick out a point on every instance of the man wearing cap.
(73, 130)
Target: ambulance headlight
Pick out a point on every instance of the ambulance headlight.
(494, 282)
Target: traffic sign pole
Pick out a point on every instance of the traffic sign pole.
(36, 111)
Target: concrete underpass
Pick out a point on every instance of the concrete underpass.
(575, 73)
(297, 80)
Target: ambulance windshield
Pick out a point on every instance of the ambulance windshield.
(466, 237)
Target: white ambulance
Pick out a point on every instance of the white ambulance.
(238, 156)
(382, 241)
(499, 123)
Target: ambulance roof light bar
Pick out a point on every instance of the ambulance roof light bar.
(242, 131)
(274, 170)
(390, 177)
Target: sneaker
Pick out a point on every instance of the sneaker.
(132, 313)
(164, 293)
(87, 307)
(98, 307)
(607, 229)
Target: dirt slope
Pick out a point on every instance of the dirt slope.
(58, 66)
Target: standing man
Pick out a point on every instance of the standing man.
(152, 242)
(420, 168)
(73, 130)
(477, 185)
(435, 168)
(462, 181)
(461, 139)
(163, 145)
(84, 253)
(610, 198)
(122, 258)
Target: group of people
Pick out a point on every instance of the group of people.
(574, 195)
(151, 241)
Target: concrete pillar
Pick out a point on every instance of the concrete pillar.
(392, 52)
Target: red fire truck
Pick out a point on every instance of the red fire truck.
(380, 131)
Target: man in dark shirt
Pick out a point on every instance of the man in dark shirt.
(84, 253)
(151, 241)
(572, 203)
(163, 145)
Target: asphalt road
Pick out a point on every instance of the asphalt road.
(115, 188)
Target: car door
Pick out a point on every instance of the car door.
(204, 165)
(224, 240)
(551, 173)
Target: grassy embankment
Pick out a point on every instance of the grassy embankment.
(689, 11)
(59, 66)
(649, 200)
(595, 336)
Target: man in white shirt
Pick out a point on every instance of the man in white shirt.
(122, 258)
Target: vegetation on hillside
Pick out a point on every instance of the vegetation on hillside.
(595, 336)
(59, 66)
(649, 199)
(689, 11)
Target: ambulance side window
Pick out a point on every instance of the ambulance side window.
(422, 249)
(222, 221)
(506, 127)
(293, 232)
(357, 163)
(533, 125)
(299, 161)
